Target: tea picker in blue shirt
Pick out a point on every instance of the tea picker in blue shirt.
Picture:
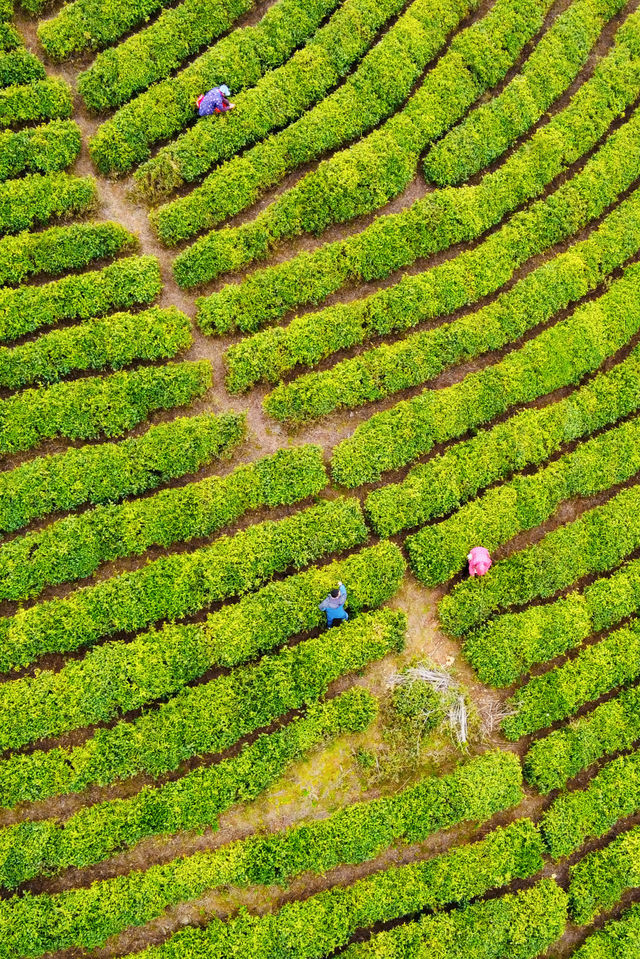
(333, 606)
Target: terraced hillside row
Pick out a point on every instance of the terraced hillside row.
(384, 310)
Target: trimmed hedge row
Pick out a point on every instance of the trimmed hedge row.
(353, 834)
(90, 24)
(518, 926)
(60, 248)
(98, 406)
(591, 812)
(280, 97)
(438, 552)
(618, 939)
(9, 37)
(207, 718)
(125, 283)
(153, 53)
(489, 130)
(599, 880)
(108, 343)
(613, 726)
(240, 58)
(448, 480)
(43, 149)
(110, 471)
(20, 66)
(74, 547)
(390, 243)
(39, 197)
(317, 926)
(597, 541)
(390, 368)
(372, 171)
(560, 692)
(118, 677)
(177, 585)
(559, 356)
(46, 99)
(511, 644)
(195, 801)
(378, 87)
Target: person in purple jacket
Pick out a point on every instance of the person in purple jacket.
(215, 101)
(333, 606)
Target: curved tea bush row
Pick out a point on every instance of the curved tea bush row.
(107, 343)
(195, 801)
(44, 149)
(208, 718)
(398, 239)
(599, 880)
(90, 24)
(125, 283)
(178, 33)
(559, 693)
(280, 97)
(518, 926)
(379, 86)
(110, 471)
(389, 368)
(618, 939)
(326, 921)
(530, 437)
(177, 585)
(511, 644)
(20, 66)
(438, 552)
(118, 677)
(39, 197)
(98, 406)
(490, 129)
(591, 812)
(559, 356)
(60, 248)
(240, 59)
(47, 99)
(36, 924)
(373, 171)
(597, 541)
(73, 548)
(9, 36)
(612, 727)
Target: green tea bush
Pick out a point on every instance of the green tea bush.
(530, 437)
(559, 356)
(208, 718)
(20, 66)
(597, 541)
(118, 677)
(373, 170)
(279, 98)
(599, 880)
(73, 547)
(39, 197)
(125, 283)
(398, 239)
(193, 801)
(44, 149)
(110, 471)
(60, 248)
(98, 406)
(105, 343)
(175, 586)
(439, 551)
(474, 792)
(46, 99)
(616, 940)
(240, 59)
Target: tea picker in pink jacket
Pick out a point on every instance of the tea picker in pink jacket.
(479, 561)
(215, 101)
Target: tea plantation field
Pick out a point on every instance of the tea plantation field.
(384, 310)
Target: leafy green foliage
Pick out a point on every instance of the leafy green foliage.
(39, 197)
(20, 66)
(618, 939)
(598, 880)
(46, 99)
(43, 149)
